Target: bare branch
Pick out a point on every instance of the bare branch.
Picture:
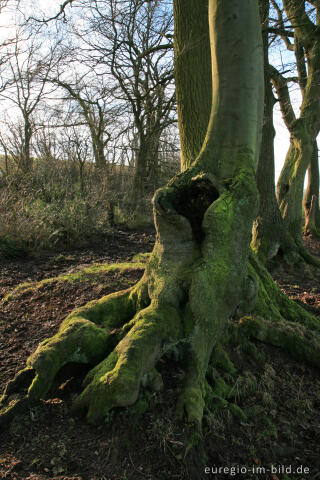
(60, 13)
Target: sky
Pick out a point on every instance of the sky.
(281, 143)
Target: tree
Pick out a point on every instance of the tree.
(304, 129)
(28, 74)
(96, 114)
(130, 42)
(272, 234)
(201, 271)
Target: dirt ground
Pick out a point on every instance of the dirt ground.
(279, 439)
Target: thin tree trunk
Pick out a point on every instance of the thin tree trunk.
(268, 233)
(26, 158)
(291, 181)
(140, 174)
(311, 198)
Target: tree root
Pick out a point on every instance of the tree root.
(299, 342)
(198, 276)
(85, 336)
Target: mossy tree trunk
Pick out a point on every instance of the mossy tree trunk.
(199, 274)
(311, 198)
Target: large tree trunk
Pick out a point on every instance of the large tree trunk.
(192, 74)
(199, 273)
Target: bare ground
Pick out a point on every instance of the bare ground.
(280, 396)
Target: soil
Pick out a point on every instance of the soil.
(280, 396)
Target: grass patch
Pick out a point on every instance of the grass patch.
(91, 274)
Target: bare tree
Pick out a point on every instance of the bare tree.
(26, 78)
(129, 40)
(97, 109)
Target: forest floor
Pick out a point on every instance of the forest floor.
(281, 397)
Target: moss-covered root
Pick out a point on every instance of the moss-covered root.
(115, 382)
(272, 303)
(191, 400)
(307, 257)
(15, 399)
(298, 341)
(84, 336)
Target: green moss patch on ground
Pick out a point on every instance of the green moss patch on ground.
(94, 274)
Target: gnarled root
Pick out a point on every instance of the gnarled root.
(115, 381)
(85, 336)
(198, 276)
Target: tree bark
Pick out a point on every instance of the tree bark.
(311, 198)
(269, 234)
(192, 74)
(25, 160)
(304, 130)
(199, 273)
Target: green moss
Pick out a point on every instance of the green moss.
(221, 389)
(141, 406)
(90, 274)
(116, 380)
(237, 411)
(191, 403)
(141, 258)
(295, 339)
(221, 360)
(273, 304)
(83, 337)
(152, 380)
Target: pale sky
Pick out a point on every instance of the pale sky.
(282, 136)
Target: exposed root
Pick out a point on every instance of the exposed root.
(85, 336)
(192, 285)
(115, 382)
(298, 341)
(273, 304)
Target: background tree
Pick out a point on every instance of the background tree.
(97, 112)
(305, 128)
(130, 42)
(25, 89)
(270, 235)
(311, 198)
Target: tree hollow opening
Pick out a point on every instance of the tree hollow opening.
(193, 201)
